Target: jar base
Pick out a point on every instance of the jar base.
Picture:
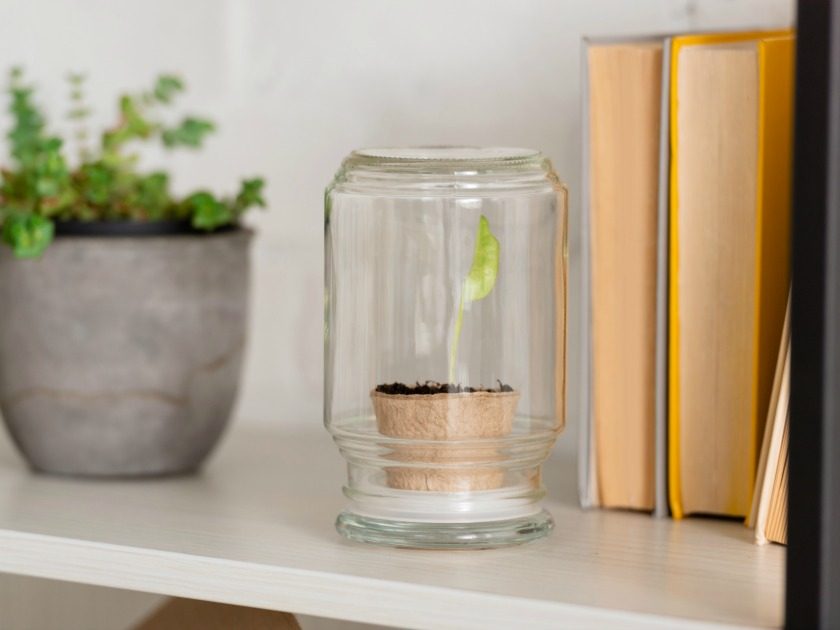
(421, 535)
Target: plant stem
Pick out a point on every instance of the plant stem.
(456, 336)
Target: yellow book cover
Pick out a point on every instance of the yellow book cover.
(715, 261)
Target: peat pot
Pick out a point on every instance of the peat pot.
(445, 342)
(121, 347)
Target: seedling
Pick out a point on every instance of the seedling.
(478, 284)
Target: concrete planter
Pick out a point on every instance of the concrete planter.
(121, 356)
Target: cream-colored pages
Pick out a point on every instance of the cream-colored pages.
(775, 449)
(776, 529)
(718, 133)
(762, 485)
(624, 126)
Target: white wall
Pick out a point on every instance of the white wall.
(295, 86)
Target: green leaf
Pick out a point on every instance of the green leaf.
(132, 126)
(478, 283)
(485, 266)
(27, 234)
(190, 133)
(166, 87)
(250, 194)
(208, 213)
(27, 133)
(136, 123)
(153, 194)
(97, 181)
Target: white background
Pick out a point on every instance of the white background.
(294, 86)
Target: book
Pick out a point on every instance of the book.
(587, 473)
(661, 508)
(769, 505)
(623, 257)
(776, 528)
(731, 105)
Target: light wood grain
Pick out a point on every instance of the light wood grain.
(256, 529)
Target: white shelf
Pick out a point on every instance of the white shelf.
(256, 528)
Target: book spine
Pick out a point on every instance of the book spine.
(587, 484)
(662, 247)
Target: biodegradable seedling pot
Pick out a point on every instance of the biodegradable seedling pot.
(463, 419)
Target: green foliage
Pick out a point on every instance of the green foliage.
(41, 183)
(190, 133)
(153, 195)
(207, 212)
(478, 284)
(27, 134)
(79, 113)
(250, 195)
(27, 234)
(166, 87)
(39, 187)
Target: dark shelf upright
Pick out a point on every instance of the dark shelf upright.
(813, 566)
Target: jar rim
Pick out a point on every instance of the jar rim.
(446, 153)
(444, 170)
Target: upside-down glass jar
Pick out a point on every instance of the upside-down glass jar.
(445, 342)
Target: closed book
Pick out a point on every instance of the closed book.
(731, 102)
(776, 529)
(769, 506)
(622, 160)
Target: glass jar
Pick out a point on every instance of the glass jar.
(445, 342)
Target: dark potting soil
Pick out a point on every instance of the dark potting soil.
(433, 387)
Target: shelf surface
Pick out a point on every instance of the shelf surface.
(256, 528)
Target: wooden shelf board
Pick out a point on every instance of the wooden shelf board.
(256, 528)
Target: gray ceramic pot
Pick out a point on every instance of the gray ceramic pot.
(121, 356)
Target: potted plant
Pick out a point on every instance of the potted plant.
(123, 307)
(450, 412)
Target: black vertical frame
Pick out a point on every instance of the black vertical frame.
(813, 567)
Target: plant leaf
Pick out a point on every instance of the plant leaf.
(132, 126)
(166, 87)
(96, 180)
(250, 194)
(27, 234)
(153, 194)
(190, 133)
(208, 213)
(485, 266)
(138, 126)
